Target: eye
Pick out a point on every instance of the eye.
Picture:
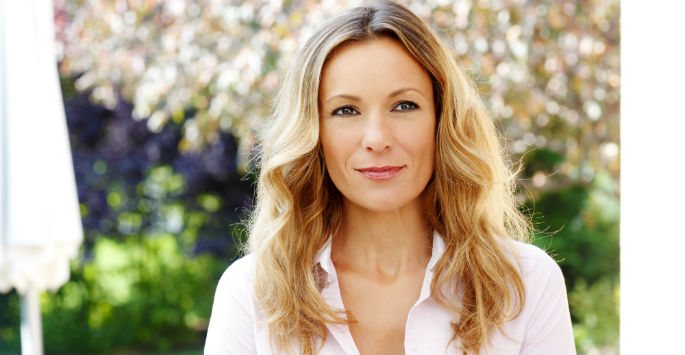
(406, 106)
(346, 110)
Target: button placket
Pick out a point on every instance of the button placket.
(341, 332)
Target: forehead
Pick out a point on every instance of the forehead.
(379, 64)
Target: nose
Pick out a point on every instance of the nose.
(377, 133)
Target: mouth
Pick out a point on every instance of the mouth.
(381, 173)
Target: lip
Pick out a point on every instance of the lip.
(380, 173)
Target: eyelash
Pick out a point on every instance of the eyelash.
(346, 107)
(414, 105)
(336, 112)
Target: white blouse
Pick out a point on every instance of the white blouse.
(544, 327)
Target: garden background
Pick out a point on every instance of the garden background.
(163, 101)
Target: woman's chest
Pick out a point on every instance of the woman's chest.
(379, 310)
(427, 330)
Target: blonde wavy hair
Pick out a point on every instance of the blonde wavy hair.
(469, 199)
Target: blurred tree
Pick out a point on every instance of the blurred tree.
(547, 70)
(133, 181)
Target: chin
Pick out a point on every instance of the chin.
(383, 202)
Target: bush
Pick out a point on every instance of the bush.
(596, 308)
(139, 293)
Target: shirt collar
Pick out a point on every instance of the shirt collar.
(323, 258)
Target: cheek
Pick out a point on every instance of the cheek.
(422, 143)
(426, 149)
(334, 148)
(340, 137)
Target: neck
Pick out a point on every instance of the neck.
(384, 244)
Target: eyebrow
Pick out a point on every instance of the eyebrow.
(392, 94)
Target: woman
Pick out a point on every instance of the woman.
(385, 221)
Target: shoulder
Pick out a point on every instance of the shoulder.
(541, 275)
(244, 267)
(239, 274)
(230, 329)
(234, 292)
(545, 320)
(533, 262)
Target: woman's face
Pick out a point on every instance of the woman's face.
(377, 124)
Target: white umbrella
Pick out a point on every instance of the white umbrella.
(40, 226)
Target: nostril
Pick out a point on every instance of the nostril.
(377, 148)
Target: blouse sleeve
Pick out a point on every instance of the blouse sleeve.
(549, 329)
(230, 329)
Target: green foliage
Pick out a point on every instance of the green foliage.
(542, 159)
(9, 323)
(596, 308)
(137, 293)
(579, 225)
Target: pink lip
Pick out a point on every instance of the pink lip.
(380, 173)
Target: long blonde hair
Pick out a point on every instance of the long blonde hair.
(470, 198)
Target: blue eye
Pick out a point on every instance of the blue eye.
(344, 111)
(406, 106)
